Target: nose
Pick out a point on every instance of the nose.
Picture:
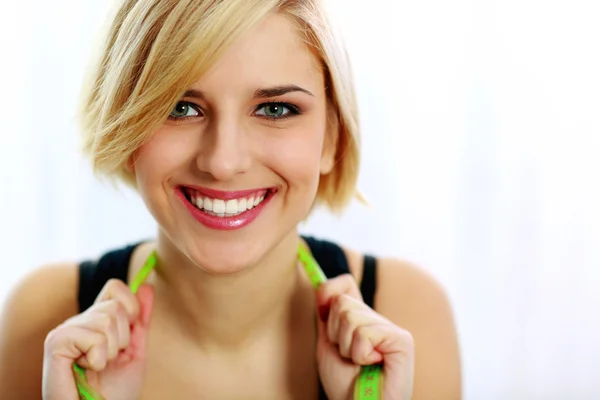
(224, 150)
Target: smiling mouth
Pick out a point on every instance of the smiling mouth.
(225, 208)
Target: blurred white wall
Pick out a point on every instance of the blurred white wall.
(481, 143)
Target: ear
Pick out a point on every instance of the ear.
(330, 142)
(130, 164)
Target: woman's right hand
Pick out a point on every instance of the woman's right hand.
(108, 340)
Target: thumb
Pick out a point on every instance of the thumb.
(145, 296)
(324, 346)
(139, 328)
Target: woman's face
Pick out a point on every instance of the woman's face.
(237, 165)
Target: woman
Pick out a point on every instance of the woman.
(232, 119)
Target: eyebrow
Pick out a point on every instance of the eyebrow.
(258, 93)
(278, 91)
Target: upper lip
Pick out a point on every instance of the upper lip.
(224, 194)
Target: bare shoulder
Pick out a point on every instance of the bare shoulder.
(414, 300)
(42, 300)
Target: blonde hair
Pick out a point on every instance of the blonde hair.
(156, 49)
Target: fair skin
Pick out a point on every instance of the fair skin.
(195, 333)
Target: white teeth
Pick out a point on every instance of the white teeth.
(208, 204)
(218, 206)
(231, 207)
(226, 208)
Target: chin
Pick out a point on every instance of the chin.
(229, 256)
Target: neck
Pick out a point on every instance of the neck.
(228, 311)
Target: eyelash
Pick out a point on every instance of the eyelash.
(293, 110)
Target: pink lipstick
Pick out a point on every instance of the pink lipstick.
(224, 210)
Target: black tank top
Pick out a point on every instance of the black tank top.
(93, 275)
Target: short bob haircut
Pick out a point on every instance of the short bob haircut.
(156, 49)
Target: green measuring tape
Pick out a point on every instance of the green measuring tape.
(370, 380)
(368, 385)
(86, 392)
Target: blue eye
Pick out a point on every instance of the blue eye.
(277, 110)
(183, 109)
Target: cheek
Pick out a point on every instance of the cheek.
(155, 163)
(160, 157)
(295, 156)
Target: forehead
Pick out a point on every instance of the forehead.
(271, 53)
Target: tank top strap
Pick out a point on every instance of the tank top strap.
(93, 274)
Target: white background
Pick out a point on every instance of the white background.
(481, 142)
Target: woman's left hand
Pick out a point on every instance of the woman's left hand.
(352, 334)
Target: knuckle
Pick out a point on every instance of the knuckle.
(346, 324)
(117, 308)
(101, 340)
(52, 338)
(361, 332)
(357, 317)
(346, 300)
(342, 282)
(407, 338)
(120, 313)
(110, 306)
(111, 288)
(349, 281)
(114, 283)
(128, 302)
(105, 321)
(347, 316)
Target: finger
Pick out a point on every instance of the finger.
(69, 343)
(140, 327)
(338, 307)
(123, 330)
(322, 341)
(145, 298)
(343, 284)
(378, 342)
(118, 290)
(349, 321)
(362, 351)
(107, 325)
(61, 348)
(108, 317)
(96, 359)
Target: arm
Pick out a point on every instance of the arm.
(41, 301)
(413, 300)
